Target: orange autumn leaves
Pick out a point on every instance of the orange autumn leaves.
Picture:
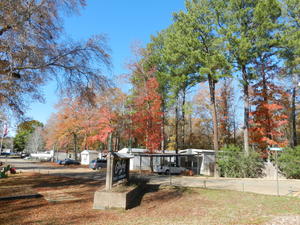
(90, 123)
(269, 117)
(141, 120)
(147, 117)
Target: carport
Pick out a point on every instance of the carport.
(189, 161)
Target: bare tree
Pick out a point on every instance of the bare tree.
(33, 52)
(35, 141)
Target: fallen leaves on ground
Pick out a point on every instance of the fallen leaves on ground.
(164, 205)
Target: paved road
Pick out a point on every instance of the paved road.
(47, 168)
(287, 187)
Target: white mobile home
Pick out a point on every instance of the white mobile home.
(87, 156)
(44, 156)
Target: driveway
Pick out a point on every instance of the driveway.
(286, 187)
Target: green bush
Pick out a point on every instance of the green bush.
(3, 172)
(232, 162)
(289, 162)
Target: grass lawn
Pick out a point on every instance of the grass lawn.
(168, 205)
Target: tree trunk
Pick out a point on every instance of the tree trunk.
(162, 147)
(109, 142)
(151, 164)
(75, 145)
(116, 143)
(191, 132)
(85, 142)
(246, 110)
(234, 131)
(266, 100)
(234, 124)
(212, 86)
(183, 119)
(294, 128)
(176, 131)
(119, 142)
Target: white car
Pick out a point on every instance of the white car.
(169, 169)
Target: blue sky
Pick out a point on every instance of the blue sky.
(124, 23)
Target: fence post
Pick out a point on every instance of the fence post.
(277, 182)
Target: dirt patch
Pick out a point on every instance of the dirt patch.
(58, 195)
(285, 220)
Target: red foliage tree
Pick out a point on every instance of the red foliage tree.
(147, 115)
(104, 125)
(110, 118)
(269, 118)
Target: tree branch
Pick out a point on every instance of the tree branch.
(4, 29)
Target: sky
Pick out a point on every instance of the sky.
(124, 23)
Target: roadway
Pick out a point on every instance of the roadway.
(72, 171)
(286, 187)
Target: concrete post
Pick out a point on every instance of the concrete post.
(109, 171)
(110, 165)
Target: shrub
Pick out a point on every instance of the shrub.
(3, 172)
(232, 162)
(289, 162)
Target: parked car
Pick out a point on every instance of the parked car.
(69, 162)
(23, 155)
(5, 153)
(170, 168)
(98, 164)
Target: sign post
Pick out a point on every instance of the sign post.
(110, 161)
(117, 166)
(109, 171)
(276, 161)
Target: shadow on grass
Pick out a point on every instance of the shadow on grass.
(167, 193)
(49, 181)
(161, 194)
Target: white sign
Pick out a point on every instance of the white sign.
(275, 149)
